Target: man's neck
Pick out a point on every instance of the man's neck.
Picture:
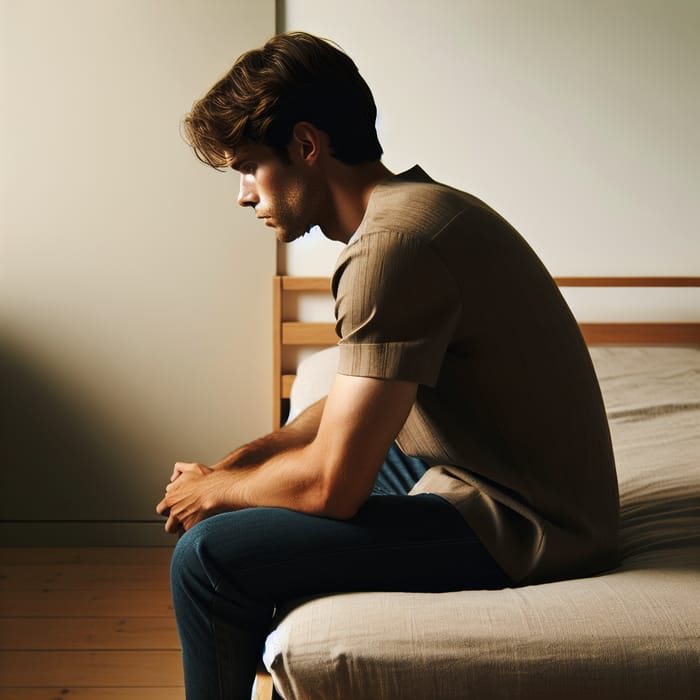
(350, 188)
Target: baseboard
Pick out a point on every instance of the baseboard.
(84, 534)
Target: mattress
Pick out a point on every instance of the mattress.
(630, 633)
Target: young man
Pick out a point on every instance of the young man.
(454, 340)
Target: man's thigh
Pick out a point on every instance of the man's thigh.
(394, 543)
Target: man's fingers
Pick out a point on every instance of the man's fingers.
(182, 467)
(172, 525)
(177, 470)
(162, 508)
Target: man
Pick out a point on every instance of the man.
(453, 339)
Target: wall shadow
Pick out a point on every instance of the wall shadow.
(59, 459)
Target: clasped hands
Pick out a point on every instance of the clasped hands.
(189, 497)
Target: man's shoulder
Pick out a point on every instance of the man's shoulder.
(414, 191)
(423, 227)
(414, 204)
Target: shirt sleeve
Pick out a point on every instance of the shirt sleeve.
(396, 308)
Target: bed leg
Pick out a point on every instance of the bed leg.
(263, 686)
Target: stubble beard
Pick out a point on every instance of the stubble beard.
(288, 235)
(292, 212)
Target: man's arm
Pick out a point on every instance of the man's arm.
(330, 475)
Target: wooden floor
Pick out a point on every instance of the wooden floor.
(89, 623)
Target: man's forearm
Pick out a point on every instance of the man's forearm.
(298, 433)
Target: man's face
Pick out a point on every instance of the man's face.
(281, 194)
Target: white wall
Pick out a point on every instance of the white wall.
(578, 121)
(135, 297)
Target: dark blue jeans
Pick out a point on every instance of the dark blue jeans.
(230, 572)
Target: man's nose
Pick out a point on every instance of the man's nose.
(247, 195)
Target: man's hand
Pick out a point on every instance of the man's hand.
(189, 497)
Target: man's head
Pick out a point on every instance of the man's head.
(293, 78)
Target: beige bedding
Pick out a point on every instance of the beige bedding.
(630, 633)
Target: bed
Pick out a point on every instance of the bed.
(630, 633)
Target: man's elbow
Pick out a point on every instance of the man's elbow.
(339, 510)
(337, 490)
(339, 502)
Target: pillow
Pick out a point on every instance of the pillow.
(315, 375)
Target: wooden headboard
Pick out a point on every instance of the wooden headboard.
(289, 332)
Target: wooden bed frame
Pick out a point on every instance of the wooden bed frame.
(292, 333)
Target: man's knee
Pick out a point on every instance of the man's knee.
(212, 548)
(229, 548)
(190, 567)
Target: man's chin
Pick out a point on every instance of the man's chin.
(287, 236)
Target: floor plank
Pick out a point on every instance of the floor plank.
(63, 693)
(142, 668)
(125, 556)
(58, 603)
(34, 634)
(92, 576)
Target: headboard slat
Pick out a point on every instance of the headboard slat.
(640, 282)
(310, 334)
(641, 333)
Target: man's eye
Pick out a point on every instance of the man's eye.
(248, 168)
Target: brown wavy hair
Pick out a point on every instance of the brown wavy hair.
(294, 77)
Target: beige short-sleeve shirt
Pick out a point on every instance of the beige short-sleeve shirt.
(435, 287)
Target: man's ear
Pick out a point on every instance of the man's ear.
(307, 141)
